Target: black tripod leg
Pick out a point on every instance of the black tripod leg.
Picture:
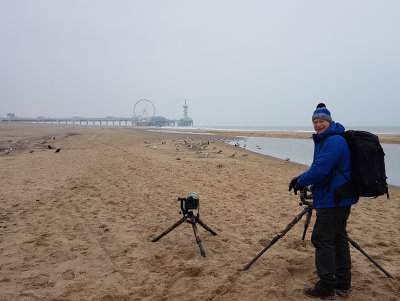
(355, 245)
(198, 240)
(276, 238)
(169, 229)
(307, 223)
(206, 227)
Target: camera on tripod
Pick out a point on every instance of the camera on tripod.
(188, 204)
(191, 202)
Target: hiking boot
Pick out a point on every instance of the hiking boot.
(319, 291)
(343, 288)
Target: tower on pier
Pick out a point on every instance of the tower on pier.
(186, 120)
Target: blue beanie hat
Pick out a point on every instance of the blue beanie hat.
(322, 113)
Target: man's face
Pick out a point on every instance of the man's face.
(320, 125)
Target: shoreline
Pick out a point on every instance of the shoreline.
(224, 135)
(383, 138)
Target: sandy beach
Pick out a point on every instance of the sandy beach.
(77, 224)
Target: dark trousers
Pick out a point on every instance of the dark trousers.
(332, 253)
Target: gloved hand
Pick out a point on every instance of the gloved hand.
(293, 185)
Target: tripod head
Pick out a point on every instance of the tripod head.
(190, 203)
(306, 194)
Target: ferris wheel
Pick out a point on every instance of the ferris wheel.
(144, 110)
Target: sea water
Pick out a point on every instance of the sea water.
(301, 151)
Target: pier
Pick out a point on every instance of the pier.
(143, 116)
(103, 121)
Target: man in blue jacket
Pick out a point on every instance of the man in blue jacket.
(332, 254)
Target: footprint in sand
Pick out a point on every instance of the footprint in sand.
(68, 275)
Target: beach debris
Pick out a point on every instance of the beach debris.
(258, 147)
(287, 159)
(245, 155)
(220, 165)
(7, 151)
(178, 158)
(154, 147)
(58, 150)
(220, 151)
(206, 155)
(237, 144)
(31, 151)
(49, 146)
(233, 155)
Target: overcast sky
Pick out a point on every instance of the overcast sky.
(236, 62)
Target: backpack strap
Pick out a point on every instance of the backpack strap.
(331, 174)
(344, 176)
(326, 137)
(334, 168)
(337, 201)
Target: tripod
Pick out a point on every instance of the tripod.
(308, 210)
(187, 206)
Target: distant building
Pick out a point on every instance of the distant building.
(186, 120)
(10, 115)
(161, 121)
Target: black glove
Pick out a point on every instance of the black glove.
(293, 185)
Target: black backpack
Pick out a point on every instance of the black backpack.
(368, 174)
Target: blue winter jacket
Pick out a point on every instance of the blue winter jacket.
(322, 175)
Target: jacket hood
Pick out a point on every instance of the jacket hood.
(334, 128)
